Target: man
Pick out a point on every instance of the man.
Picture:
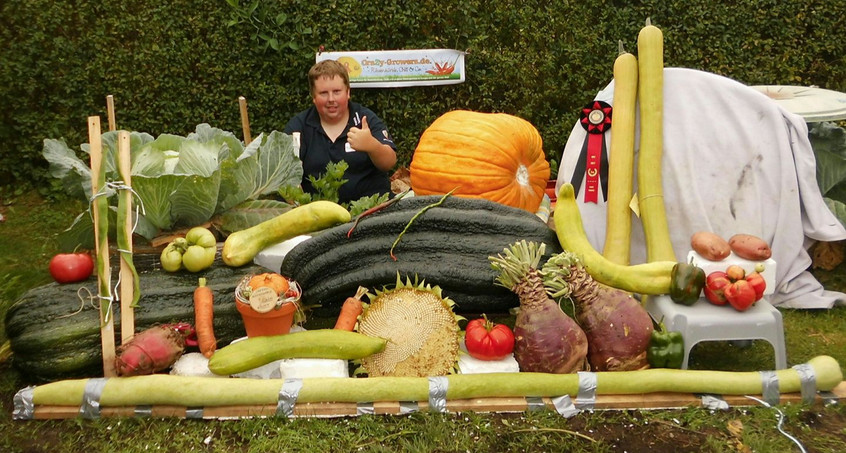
(336, 129)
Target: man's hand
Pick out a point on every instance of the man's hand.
(360, 139)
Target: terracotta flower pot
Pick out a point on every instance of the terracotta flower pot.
(265, 315)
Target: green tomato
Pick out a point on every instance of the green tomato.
(171, 258)
(197, 258)
(201, 236)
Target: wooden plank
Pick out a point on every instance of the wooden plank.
(127, 277)
(107, 324)
(245, 120)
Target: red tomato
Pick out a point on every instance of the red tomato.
(715, 287)
(486, 340)
(741, 295)
(71, 267)
(758, 283)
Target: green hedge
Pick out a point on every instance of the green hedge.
(172, 65)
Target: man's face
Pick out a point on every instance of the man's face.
(330, 97)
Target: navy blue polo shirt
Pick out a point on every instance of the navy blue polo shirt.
(316, 151)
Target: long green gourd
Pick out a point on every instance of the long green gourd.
(242, 246)
(650, 48)
(311, 344)
(163, 389)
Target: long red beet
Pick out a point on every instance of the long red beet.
(546, 340)
(151, 350)
(617, 326)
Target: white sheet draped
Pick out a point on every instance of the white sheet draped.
(734, 162)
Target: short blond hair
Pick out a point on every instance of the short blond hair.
(329, 69)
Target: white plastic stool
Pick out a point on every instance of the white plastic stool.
(704, 321)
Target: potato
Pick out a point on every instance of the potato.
(750, 247)
(710, 246)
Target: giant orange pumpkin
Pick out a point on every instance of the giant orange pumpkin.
(495, 156)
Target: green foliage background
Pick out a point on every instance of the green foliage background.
(172, 65)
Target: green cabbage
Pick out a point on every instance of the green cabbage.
(181, 182)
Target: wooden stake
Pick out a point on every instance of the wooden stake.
(110, 110)
(127, 276)
(107, 326)
(245, 121)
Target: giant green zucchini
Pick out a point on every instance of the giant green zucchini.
(447, 246)
(50, 340)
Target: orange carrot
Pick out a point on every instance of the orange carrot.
(204, 318)
(350, 310)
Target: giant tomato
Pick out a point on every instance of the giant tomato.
(486, 340)
(71, 267)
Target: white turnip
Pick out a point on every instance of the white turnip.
(545, 338)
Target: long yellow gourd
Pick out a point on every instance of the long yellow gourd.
(647, 278)
(618, 233)
(650, 49)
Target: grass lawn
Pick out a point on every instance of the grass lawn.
(27, 243)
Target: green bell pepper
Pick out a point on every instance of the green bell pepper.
(666, 349)
(686, 283)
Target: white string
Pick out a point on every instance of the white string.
(780, 422)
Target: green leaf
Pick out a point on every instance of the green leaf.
(249, 214)
(829, 144)
(277, 163)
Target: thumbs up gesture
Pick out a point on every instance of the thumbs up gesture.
(360, 138)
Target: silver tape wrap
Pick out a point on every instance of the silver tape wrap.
(90, 407)
(714, 402)
(535, 403)
(288, 397)
(438, 386)
(769, 387)
(564, 406)
(807, 382)
(195, 413)
(586, 398)
(408, 407)
(24, 407)
(365, 408)
(143, 411)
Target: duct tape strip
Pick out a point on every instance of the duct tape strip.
(829, 398)
(438, 386)
(713, 402)
(535, 403)
(586, 398)
(807, 382)
(408, 407)
(143, 411)
(564, 406)
(24, 407)
(194, 413)
(288, 397)
(769, 387)
(365, 408)
(90, 407)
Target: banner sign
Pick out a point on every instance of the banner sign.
(400, 68)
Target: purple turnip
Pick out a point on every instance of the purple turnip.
(545, 339)
(617, 326)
